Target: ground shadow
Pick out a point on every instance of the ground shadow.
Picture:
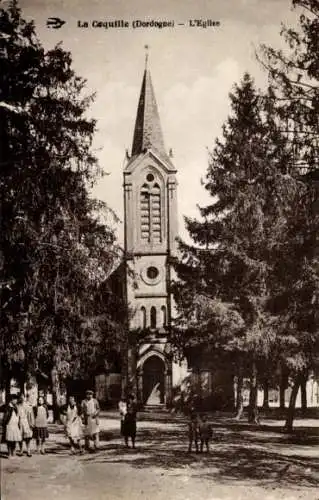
(263, 455)
(254, 456)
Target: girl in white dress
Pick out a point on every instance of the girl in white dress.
(11, 426)
(26, 415)
(73, 425)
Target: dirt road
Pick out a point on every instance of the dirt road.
(243, 464)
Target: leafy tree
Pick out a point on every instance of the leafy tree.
(294, 78)
(58, 247)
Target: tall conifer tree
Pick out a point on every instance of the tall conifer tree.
(231, 260)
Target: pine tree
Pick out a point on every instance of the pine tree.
(228, 268)
(58, 248)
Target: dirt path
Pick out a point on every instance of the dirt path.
(243, 464)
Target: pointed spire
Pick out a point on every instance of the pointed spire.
(148, 132)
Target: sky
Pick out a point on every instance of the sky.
(193, 70)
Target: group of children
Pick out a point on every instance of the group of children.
(200, 432)
(22, 422)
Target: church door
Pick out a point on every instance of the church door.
(153, 381)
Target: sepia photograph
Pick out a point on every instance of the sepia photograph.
(159, 249)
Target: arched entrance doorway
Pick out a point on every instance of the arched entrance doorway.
(153, 381)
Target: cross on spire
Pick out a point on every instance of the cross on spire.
(146, 47)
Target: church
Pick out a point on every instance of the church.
(149, 369)
(150, 231)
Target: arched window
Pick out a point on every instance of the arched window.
(153, 317)
(145, 213)
(156, 213)
(164, 319)
(143, 317)
(150, 207)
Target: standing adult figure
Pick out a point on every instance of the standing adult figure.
(11, 433)
(129, 424)
(26, 415)
(90, 409)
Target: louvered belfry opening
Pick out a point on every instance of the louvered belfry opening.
(145, 214)
(156, 213)
(151, 217)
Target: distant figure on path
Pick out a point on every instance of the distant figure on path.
(73, 424)
(90, 409)
(193, 431)
(40, 432)
(205, 433)
(129, 423)
(27, 421)
(32, 395)
(122, 406)
(11, 433)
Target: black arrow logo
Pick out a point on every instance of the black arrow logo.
(55, 23)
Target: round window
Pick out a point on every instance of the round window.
(150, 177)
(152, 272)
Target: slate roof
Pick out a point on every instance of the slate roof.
(148, 131)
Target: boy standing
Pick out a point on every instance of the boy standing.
(205, 433)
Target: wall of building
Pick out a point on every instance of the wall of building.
(108, 387)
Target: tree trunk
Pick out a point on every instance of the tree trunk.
(124, 368)
(282, 388)
(21, 379)
(282, 391)
(239, 391)
(292, 404)
(240, 397)
(7, 387)
(266, 395)
(56, 393)
(253, 408)
(303, 388)
(198, 396)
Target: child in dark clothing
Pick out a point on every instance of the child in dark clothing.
(205, 433)
(40, 431)
(193, 432)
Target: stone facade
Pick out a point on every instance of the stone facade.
(150, 207)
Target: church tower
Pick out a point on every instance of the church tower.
(150, 227)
